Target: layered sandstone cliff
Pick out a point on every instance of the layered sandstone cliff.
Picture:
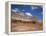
(21, 22)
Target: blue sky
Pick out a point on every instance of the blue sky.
(32, 10)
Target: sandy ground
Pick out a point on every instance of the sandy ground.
(25, 26)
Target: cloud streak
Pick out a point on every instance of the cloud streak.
(23, 10)
(29, 14)
(33, 7)
(15, 10)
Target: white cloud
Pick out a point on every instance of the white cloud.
(33, 7)
(29, 14)
(15, 10)
(23, 10)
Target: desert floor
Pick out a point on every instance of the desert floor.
(25, 26)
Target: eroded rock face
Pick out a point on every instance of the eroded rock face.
(23, 17)
(21, 22)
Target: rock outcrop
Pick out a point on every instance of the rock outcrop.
(21, 22)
